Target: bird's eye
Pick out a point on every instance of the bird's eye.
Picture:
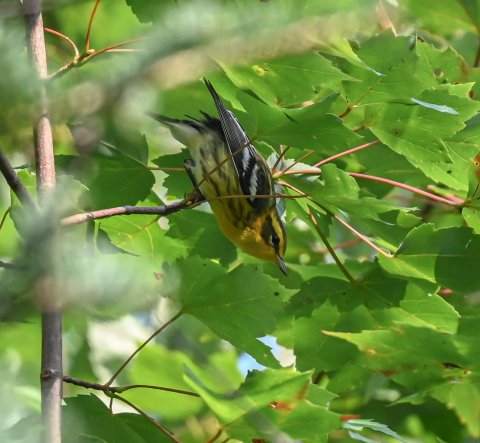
(275, 239)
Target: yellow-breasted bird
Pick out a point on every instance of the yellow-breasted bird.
(252, 224)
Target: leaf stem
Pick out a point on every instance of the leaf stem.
(87, 39)
(407, 187)
(338, 218)
(350, 151)
(120, 369)
(308, 154)
(218, 434)
(330, 249)
(154, 422)
(346, 112)
(346, 244)
(365, 239)
(77, 54)
(86, 57)
(126, 50)
(153, 168)
(456, 204)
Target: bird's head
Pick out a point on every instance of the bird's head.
(266, 239)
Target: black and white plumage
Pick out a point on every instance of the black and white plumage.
(253, 172)
(227, 166)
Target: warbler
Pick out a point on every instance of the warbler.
(253, 224)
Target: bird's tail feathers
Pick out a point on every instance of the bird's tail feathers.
(163, 119)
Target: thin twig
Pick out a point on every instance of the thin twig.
(77, 54)
(327, 160)
(15, 183)
(122, 210)
(120, 389)
(120, 369)
(350, 151)
(308, 154)
(153, 168)
(85, 58)
(282, 155)
(223, 197)
(154, 422)
(125, 50)
(116, 45)
(330, 249)
(159, 388)
(87, 40)
(4, 218)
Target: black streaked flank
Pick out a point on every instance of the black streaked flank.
(252, 182)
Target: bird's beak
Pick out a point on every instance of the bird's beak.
(281, 265)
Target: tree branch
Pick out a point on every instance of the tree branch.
(120, 389)
(122, 210)
(153, 210)
(15, 183)
(51, 367)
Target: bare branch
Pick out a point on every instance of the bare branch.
(15, 183)
(51, 366)
(122, 210)
(120, 389)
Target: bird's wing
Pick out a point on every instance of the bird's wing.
(253, 172)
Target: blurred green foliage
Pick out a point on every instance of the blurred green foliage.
(395, 341)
